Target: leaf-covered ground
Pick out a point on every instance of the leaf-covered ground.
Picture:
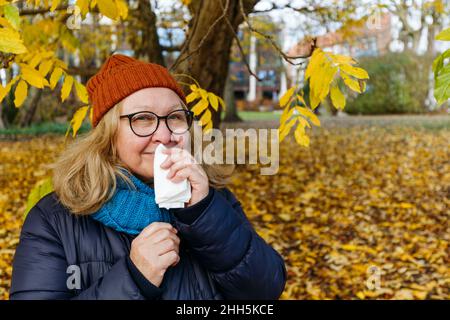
(363, 213)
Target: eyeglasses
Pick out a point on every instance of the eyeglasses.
(145, 123)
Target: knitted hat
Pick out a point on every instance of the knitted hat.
(119, 77)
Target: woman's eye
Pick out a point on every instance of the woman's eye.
(143, 118)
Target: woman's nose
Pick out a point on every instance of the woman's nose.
(162, 134)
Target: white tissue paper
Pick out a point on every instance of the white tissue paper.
(168, 194)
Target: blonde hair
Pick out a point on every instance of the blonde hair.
(86, 172)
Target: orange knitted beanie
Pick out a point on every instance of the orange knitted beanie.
(119, 77)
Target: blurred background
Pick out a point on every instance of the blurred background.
(360, 211)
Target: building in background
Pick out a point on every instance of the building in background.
(265, 62)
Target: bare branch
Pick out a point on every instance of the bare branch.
(286, 57)
(32, 12)
(238, 42)
(189, 54)
(306, 9)
(171, 48)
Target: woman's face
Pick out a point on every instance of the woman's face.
(138, 152)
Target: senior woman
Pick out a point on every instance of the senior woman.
(100, 234)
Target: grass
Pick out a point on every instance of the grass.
(42, 128)
(258, 115)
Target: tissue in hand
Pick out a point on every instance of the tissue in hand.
(168, 194)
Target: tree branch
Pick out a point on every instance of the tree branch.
(286, 57)
(189, 54)
(238, 42)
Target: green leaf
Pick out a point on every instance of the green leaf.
(40, 190)
(442, 85)
(12, 15)
(444, 35)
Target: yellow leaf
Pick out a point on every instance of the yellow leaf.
(5, 90)
(314, 100)
(203, 93)
(301, 100)
(301, 137)
(222, 103)
(337, 98)
(186, 2)
(56, 74)
(192, 96)
(287, 96)
(341, 59)
(285, 217)
(91, 114)
(302, 121)
(317, 58)
(84, 7)
(207, 127)
(122, 9)
(213, 100)
(67, 87)
(35, 60)
(309, 114)
(21, 93)
(77, 120)
(356, 72)
(206, 118)
(200, 106)
(45, 67)
(33, 77)
(107, 8)
(81, 92)
(286, 115)
(10, 41)
(351, 83)
(55, 4)
(285, 129)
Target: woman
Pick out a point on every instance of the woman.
(100, 234)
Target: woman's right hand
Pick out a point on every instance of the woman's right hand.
(154, 250)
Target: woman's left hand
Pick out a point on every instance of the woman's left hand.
(182, 165)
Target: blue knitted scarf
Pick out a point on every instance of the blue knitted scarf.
(130, 210)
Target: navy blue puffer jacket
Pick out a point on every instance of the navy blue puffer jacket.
(221, 257)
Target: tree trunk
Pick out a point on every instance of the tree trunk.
(231, 114)
(144, 22)
(2, 125)
(27, 117)
(209, 42)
